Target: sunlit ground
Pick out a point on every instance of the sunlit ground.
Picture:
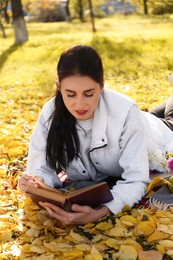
(137, 54)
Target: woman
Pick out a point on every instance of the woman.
(92, 135)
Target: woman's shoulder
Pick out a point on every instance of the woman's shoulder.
(48, 109)
(113, 96)
(117, 103)
(49, 105)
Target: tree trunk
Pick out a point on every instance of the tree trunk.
(92, 15)
(3, 30)
(145, 7)
(81, 14)
(19, 25)
(6, 16)
(68, 15)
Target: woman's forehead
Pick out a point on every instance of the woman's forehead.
(84, 83)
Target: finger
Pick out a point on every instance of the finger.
(22, 188)
(27, 176)
(82, 209)
(60, 215)
(26, 182)
(23, 184)
(75, 207)
(40, 179)
(53, 207)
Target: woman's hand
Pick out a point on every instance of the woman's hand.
(80, 214)
(26, 180)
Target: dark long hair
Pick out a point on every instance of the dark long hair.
(62, 141)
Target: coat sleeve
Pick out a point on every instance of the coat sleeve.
(134, 162)
(37, 164)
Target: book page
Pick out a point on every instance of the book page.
(44, 186)
(46, 194)
(91, 187)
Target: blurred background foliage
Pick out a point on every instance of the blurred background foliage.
(17, 12)
(58, 10)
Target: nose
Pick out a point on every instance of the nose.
(79, 102)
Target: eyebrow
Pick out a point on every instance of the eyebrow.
(88, 90)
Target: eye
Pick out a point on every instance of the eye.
(70, 95)
(89, 95)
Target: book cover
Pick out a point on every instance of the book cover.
(93, 196)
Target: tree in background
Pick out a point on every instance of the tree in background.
(2, 6)
(67, 9)
(81, 11)
(162, 7)
(47, 10)
(155, 6)
(4, 14)
(143, 4)
(145, 7)
(80, 7)
(92, 15)
(19, 25)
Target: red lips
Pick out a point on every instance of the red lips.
(81, 112)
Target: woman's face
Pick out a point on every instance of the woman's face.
(80, 95)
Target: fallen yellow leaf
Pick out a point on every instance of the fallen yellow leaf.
(150, 255)
(127, 253)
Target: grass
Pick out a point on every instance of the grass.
(137, 55)
(136, 51)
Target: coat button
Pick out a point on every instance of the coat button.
(84, 171)
(103, 140)
(97, 163)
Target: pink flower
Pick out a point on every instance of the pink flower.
(170, 164)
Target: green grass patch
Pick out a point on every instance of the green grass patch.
(137, 54)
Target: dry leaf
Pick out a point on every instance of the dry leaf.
(5, 235)
(168, 244)
(150, 255)
(119, 232)
(128, 220)
(145, 228)
(156, 236)
(32, 232)
(56, 246)
(127, 253)
(104, 226)
(38, 249)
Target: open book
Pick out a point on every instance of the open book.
(93, 196)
